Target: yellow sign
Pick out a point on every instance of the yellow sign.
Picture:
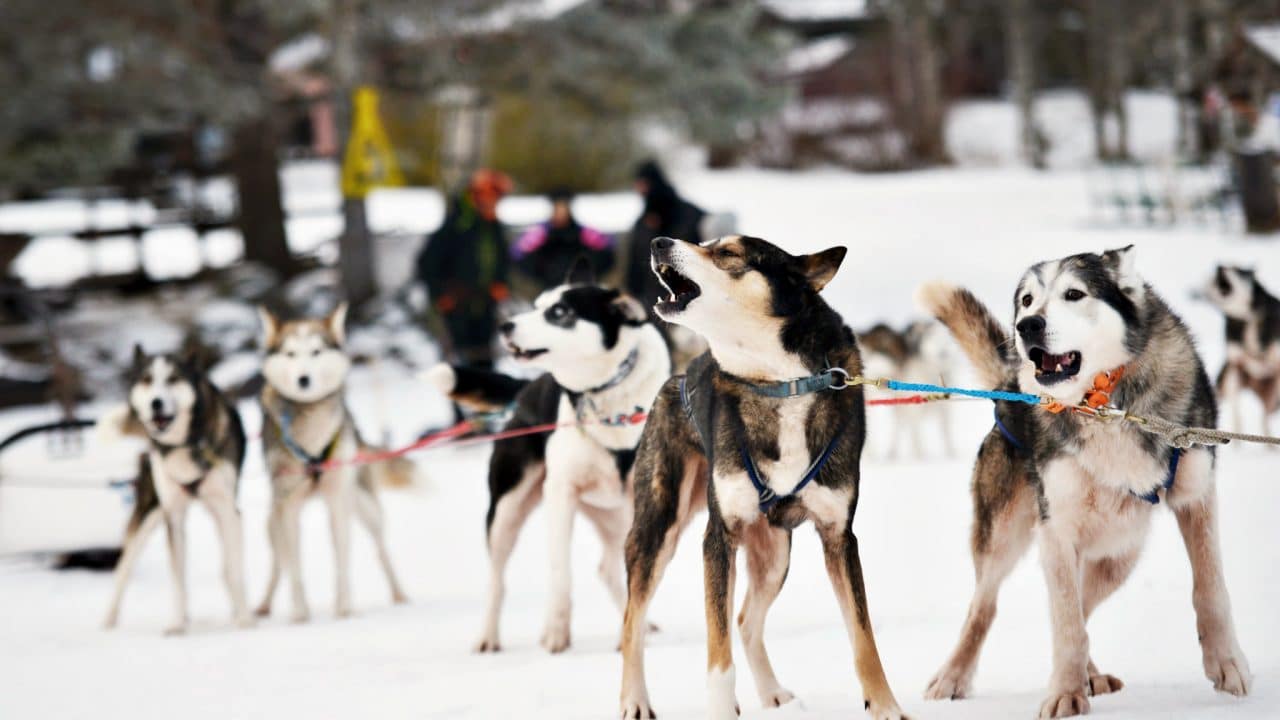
(369, 161)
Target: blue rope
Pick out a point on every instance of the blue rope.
(984, 394)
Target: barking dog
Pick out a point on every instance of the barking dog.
(604, 363)
(1087, 323)
(1253, 341)
(777, 443)
(305, 423)
(196, 451)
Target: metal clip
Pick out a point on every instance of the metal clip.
(843, 375)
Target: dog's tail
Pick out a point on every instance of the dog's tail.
(977, 332)
(397, 473)
(474, 389)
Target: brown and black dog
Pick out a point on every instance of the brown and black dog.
(731, 434)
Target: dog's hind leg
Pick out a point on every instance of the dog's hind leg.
(1101, 578)
(275, 533)
(611, 525)
(768, 558)
(176, 524)
(507, 515)
(1005, 515)
(128, 558)
(719, 560)
(369, 512)
(668, 490)
(844, 567)
(1224, 661)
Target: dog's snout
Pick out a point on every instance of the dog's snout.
(157, 405)
(304, 382)
(662, 243)
(507, 328)
(1031, 326)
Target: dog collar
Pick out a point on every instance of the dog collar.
(830, 379)
(628, 364)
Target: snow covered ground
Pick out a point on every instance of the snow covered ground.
(976, 227)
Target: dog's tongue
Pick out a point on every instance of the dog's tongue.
(1050, 362)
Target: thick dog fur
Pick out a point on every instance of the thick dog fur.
(196, 452)
(759, 310)
(305, 371)
(1253, 341)
(584, 337)
(1074, 483)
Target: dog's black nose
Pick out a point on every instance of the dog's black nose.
(304, 382)
(662, 243)
(507, 327)
(156, 405)
(1032, 325)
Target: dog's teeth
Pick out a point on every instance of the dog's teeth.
(1058, 368)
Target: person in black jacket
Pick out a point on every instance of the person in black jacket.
(464, 266)
(545, 252)
(665, 214)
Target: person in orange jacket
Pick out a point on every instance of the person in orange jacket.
(465, 268)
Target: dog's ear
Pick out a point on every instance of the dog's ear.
(820, 267)
(580, 272)
(270, 327)
(629, 308)
(139, 356)
(336, 323)
(1123, 265)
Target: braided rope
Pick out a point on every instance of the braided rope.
(1184, 437)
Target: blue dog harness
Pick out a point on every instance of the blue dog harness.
(1153, 497)
(832, 379)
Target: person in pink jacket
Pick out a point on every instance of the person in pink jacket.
(546, 251)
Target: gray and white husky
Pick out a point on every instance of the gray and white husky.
(1087, 490)
(306, 424)
(196, 451)
(1253, 341)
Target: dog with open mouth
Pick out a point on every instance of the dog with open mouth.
(196, 448)
(1086, 326)
(764, 430)
(603, 361)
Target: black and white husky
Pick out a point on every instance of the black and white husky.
(604, 362)
(1253, 341)
(1086, 324)
(305, 424)
(766, 418)
(196, 449)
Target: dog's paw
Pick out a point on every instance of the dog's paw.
(948, 684)
(109, 623)
(777, 697)
(1066, 704)
(1102, 684)
(176, 629)
(884, 711)
(245, 621)
(399, 598)
(1229, 674)
(487, 644)
(637, 709)
(300, 615)
(555, 639)
(263, 610)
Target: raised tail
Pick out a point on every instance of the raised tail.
(982, 338)
(474, 389)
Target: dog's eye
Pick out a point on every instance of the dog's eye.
(146, 380)
(171, 381)
(291, 354)
(726, 253)
(1073, 295)
(1026, 300)
(558, 311)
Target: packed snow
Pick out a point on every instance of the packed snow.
(977, 227)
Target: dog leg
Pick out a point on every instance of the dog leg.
(128, 558)
(1001, 536)
(560, 499)
(1224, 662)
(611, 525)
(275, 533)
(291, 559)
(176, 524)
(508, 514)
(369, 512)
(1061, 564)
(663, 509)
(339, 498)
(1229, 384)
(220, 501)
(719, 556)
(844, 567)
(768, 557)
(1101, 579)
